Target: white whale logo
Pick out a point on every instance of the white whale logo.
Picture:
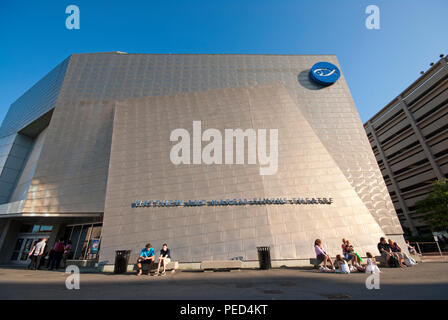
(324, 72)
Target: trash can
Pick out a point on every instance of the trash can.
(264, 257)
(121, 261)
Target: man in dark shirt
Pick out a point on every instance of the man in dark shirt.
(384, 249)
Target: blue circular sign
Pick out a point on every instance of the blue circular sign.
(325, 73)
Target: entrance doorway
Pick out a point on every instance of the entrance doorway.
(23, 246)
(28, 235)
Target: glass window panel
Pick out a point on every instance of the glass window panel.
(75, 237)
(15, 255)
(25, 228)
(67, 233)
(18, 245)
(84, 249)
(96, 231)
(81, 242)
(26, 249)
(46, 228)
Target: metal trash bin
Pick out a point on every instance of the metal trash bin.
(121, 261)
(264, 257)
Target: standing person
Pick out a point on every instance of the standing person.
(37, 252)
(146, 256)
(67, 253)
(57, 256)
(321, 255)
(31, 256)
(164, 259)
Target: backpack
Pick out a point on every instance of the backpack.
(393, 262)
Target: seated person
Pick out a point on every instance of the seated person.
(342, 265)
(371, 264)
(358, 259)
(397, 251)
(343, 244)
(350, 254)
(344, 250)
(411, 249)
(164, 259)
(321, 255)
(386, 251)
(394, 246)
(146, 256)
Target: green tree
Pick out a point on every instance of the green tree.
(435, 206)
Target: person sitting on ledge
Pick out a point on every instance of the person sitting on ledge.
(408, 260)
(350, 254)
(342, 265)
(344, 251)
(321, 255)
(164, 259)
(146, 256)
(371, 264)
(386, 252)
(411, 249)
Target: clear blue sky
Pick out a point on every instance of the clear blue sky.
(378, 64)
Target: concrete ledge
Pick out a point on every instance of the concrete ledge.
(289, 263)
(250, 264)
(189, 266)
(221, 265)
(172, 266)
(82, 263)
(313, 262)
(381, 261)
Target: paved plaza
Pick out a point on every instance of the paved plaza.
(424, 281)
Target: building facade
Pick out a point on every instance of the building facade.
(86, 156)
(410, 140)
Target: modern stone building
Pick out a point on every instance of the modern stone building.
(85, 155)
(409, 138)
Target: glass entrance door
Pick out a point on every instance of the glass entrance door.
(22, 247)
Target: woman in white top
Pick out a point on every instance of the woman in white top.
(371, 264)
(342, 264)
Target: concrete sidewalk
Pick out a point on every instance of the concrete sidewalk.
(424, 281)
